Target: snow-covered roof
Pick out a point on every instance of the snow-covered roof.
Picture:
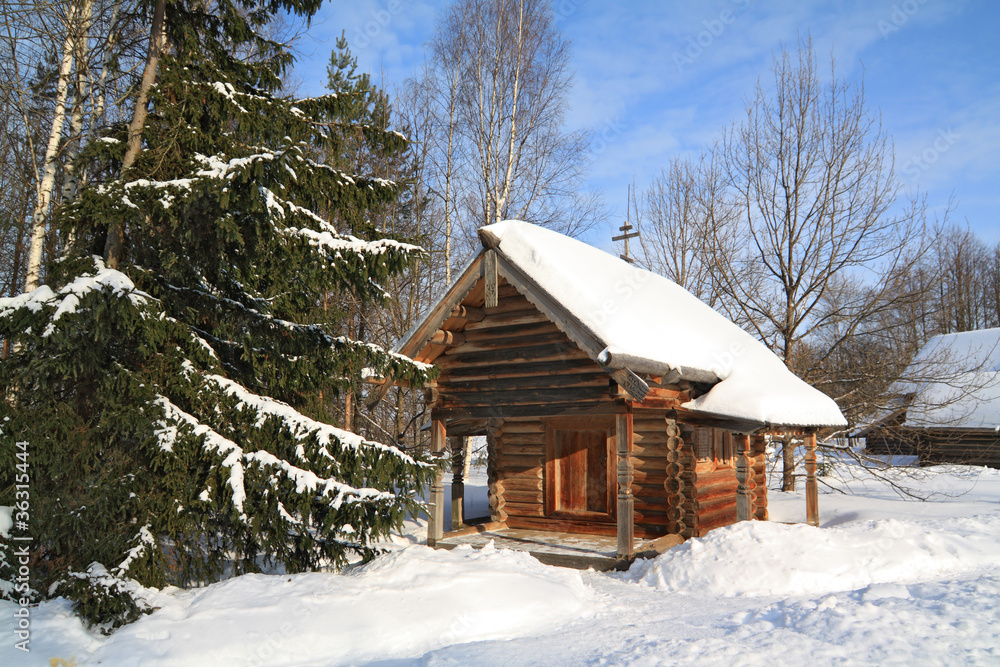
(627, 317)
(954, 382)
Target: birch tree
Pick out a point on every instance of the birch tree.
(499, 78)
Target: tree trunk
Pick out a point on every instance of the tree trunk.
(157, 42)
(48, 174)
(468, 457)
(787, 463)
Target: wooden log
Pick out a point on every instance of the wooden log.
(450, 399)
(671, 393)
(711, 501)
(510, 472)
(522, 426)
(511, 329)
(435, 518)
(626, 474)
(717, 476)
(490, 278)
(728, 486)
(524, 509)
(506, 290)
(528, 314)
(647, 450)
(550, 352)
(655, 547)
(517, 449)
(509, 305)
(812, 488)
(523, 439)
(457, 446)
(744, 478)
(652, 519)
(515, 383)
(534, 496)
(653, 504)
(479, 528)
(467, 313)
(581, 527)
(650, 466)
(535, 368)
(493, 344)
(654, 477)
(648, 420)
(510, 461)
(523, 484)
(716, 522)
(710, 513)
(449, 339)
(709, 505)
(575, 408)
(662, 402)
(647, 490)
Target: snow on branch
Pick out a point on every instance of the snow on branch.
(311, 329)
(68, 298)
(302, 427)
(146, 540)
(236, 460)
(337, 245)
(218, 167)
(347, 179)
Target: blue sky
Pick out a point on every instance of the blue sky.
(658, 79)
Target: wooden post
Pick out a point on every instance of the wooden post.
(626, 503)
(744, 479)
(457, 482)
(758, 448)
(490, 275)
(812, 489)
(435, 516)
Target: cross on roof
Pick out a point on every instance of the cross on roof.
(626, 234)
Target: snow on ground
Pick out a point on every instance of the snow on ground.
(883, 581)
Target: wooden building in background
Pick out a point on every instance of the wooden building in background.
(946, 406)
(614, 402)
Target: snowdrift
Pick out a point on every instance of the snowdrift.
(771, 559)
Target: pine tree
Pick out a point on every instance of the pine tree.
(165, 402)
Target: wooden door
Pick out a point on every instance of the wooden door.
(579, 468)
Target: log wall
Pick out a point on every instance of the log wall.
(514, 362)
(965, 446)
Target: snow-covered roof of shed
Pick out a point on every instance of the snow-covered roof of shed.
(954, 382)
(646, 321)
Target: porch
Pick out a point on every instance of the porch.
(573, 550)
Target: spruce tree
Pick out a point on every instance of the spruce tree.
(164, 384)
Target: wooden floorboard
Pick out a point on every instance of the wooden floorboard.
(581, 552)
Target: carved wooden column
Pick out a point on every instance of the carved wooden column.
(457, 482)
(744, 478)
(758, 450)
(812, 489)
(435, 513)
(491, 280)
(626, 503)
